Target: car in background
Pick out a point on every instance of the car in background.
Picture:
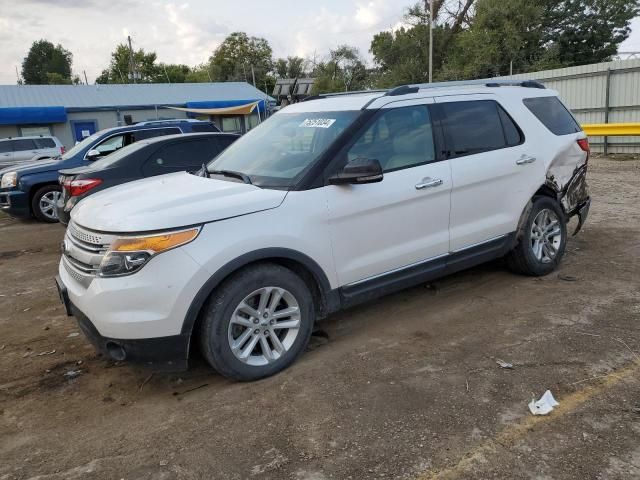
(14, 151)
(147, 158)
(32, 189)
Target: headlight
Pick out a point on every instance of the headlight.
(127, 255)
(9, 179)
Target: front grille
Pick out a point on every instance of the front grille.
(83, 252)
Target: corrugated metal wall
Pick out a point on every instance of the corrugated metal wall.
(584, 90)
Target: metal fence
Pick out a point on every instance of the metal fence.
(599, 93)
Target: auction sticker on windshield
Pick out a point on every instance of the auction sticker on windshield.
(318, 122)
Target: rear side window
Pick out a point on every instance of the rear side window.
(45, 143)
(553, 115)
(478, 126)
(179, 156)
(138, 135)
(24, 144)
(204, 127)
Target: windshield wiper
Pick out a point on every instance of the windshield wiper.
(231, 173)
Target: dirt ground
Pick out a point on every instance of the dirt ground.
(406, 387)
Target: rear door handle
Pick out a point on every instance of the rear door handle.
(524, 159)
(428, 183)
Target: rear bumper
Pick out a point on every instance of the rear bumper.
(582, 211)
(165, 354)
(15, 203)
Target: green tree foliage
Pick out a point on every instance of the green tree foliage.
(119, 70)
(578, 32)
(234, 57)
(291, 67)
(199, 74)
(343, 71)
(484, 38)
(47, 63)
(402, 56)
(501, 32)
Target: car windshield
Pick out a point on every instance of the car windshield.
(278, 152)
(119, 156)
(79, 146)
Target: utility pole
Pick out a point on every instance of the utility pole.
(132, 66)
(510, 67)
(253, 74)
(430, 39)
(86, 82)
(17, 75)
(166, 74)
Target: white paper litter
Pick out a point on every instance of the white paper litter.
(545, 405)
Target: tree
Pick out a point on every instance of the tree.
(502, 32)
(47, 63)
(237, 54)
(291, 67)
(119, 70)
(578, 32)
(343, 71)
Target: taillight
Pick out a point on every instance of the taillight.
(62, 150)
(583, 143)
(78, 187)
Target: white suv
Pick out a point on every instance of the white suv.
(331, 202)
(24, 149)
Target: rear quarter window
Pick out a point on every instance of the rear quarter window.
(553, 115)
(45, 143)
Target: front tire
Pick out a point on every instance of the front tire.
(257, 323)
(44, 203)
(543, 240)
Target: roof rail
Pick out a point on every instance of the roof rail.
(482, 82)
(342, 94)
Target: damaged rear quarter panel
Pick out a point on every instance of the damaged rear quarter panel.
(567, 175)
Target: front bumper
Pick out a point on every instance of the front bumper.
(139, 317)
(15, 203)
(582, 211)
(169, 353)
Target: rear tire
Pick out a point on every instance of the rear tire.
(257, 322)
(44, 203)
(543, 240)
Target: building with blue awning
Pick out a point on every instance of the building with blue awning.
(72, 112)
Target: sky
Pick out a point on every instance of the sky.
(187, 31)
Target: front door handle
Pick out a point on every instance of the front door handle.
(524, 159)
(428, 182)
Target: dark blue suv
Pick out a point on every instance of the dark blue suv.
(32, 189)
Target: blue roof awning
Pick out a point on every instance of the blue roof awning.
(226, 103)
(32, 115)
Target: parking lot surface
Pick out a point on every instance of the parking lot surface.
(405, 387)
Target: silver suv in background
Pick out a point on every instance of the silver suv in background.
(18, 150)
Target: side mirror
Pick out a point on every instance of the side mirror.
(93, 154)
(358, 171)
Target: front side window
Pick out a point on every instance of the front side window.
(110, 145)
(472, 127)
(5, 147)
(279, 151)
(398, 138)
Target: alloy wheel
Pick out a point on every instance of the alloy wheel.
(546, 235)
(264, 326)
(48, 204)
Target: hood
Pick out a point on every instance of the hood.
(171, 201)
(37, 166)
